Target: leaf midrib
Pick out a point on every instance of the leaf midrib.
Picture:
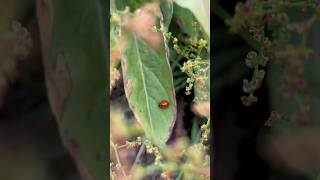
(143, 81)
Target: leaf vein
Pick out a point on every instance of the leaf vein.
(143, 81)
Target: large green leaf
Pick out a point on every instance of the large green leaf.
(74, 44)
(201, 10)
(148, 80)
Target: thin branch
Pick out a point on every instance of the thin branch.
(114, 146)
(138, 157)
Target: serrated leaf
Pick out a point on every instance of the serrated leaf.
(201, 10)
(148, 80)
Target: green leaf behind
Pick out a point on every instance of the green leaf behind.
(167, 11)
(201, 10)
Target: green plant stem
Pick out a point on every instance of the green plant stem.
(179, 175)
(208, 122)
(176, 63)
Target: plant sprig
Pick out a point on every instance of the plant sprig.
(270, 28)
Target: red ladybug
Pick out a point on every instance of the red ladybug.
(164, 104)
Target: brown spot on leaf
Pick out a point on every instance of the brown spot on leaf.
(74, 144)
(124, 64)
(59, 84)
(73, 147)
(57, 73)
(116, 51)
(128, 87)
(45, 19)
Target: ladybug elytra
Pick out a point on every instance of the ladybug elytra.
(164, 104)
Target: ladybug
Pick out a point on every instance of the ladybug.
(164, 104)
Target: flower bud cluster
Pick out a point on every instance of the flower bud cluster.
(270, 27)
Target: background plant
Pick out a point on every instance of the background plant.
(279, 36)
(269, 24)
